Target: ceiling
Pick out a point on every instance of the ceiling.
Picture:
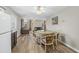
(30, 12)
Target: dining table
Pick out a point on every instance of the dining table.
(40, 33)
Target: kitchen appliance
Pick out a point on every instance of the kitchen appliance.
(5, 32)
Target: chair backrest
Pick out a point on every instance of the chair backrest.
(49, 38)
(56, 36)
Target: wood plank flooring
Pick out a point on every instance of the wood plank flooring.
(27, 44)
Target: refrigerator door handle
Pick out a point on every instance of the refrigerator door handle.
(4, 32)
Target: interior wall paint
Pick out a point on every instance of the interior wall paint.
(18, 26)
(69, 25)
(16, 21)
(13, 23)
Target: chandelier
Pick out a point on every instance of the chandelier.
(40, 10)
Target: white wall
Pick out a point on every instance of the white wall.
(69, 25)
(16, 21)
(13, 23)
(18, 26)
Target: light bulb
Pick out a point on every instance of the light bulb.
(39, 10)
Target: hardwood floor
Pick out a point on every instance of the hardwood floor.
(27, 44)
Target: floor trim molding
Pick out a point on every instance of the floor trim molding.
(75, 50)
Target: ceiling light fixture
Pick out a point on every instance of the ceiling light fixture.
(39, 10)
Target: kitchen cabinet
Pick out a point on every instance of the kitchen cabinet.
(13, 39)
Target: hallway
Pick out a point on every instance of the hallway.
(22, 19)
(27, 44)
(39, 29)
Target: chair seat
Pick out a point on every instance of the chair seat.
(44, 42)
(50, 39)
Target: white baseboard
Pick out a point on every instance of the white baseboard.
(70, 47)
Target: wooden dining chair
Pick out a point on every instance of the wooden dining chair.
(56, 37)
(48, 40)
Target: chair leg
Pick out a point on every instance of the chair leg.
(53, 46)
(45, 48)
(56, 42)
